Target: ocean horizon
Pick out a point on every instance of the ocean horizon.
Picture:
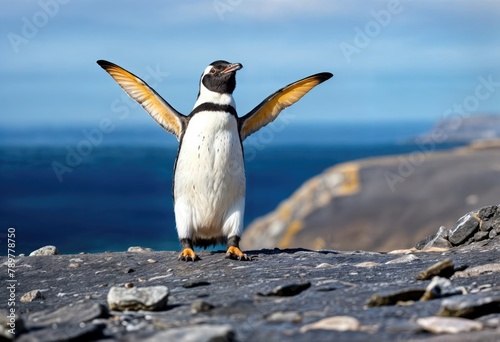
(91, 190)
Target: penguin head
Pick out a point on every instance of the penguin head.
(220, 77)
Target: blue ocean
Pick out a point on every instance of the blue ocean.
(85, 191)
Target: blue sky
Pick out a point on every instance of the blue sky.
(404, 60)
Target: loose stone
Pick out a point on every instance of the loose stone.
(438, 240)
(139, 249)
(201, 306)
(444, 268)
(46, 250)
(31, 296)
(440, 287)
(392, 298)
(481, 235)
(284, 316)
(338, 323)
(145, 298)
(465, 227)
(448, 325)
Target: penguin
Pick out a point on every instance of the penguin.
(209, 171)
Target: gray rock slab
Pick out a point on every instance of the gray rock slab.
(465, 227)
(341, 289)
(73, 313)
(65, 333)
(471, 306)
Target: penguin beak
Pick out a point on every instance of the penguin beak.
(232, 67)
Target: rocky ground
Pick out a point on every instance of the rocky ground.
(435, 293)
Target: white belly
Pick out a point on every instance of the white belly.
(209, 180)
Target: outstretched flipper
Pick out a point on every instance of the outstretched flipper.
(233, 250)
(269, 109)
(159, 109)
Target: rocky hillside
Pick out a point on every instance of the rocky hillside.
(385, 203)
(469, 128)
(434, 293)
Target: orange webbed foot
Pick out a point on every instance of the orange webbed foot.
(188, 254)
(235, 253)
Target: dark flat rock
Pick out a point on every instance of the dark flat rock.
(287, 290)
(466, 226)
(470, 306)
(392, 298)
(229, 308)
(191, 284)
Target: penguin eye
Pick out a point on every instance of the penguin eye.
(212, 71)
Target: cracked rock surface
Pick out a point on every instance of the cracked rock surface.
(282, 295)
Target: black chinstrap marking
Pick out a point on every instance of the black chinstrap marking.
(214, 107)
